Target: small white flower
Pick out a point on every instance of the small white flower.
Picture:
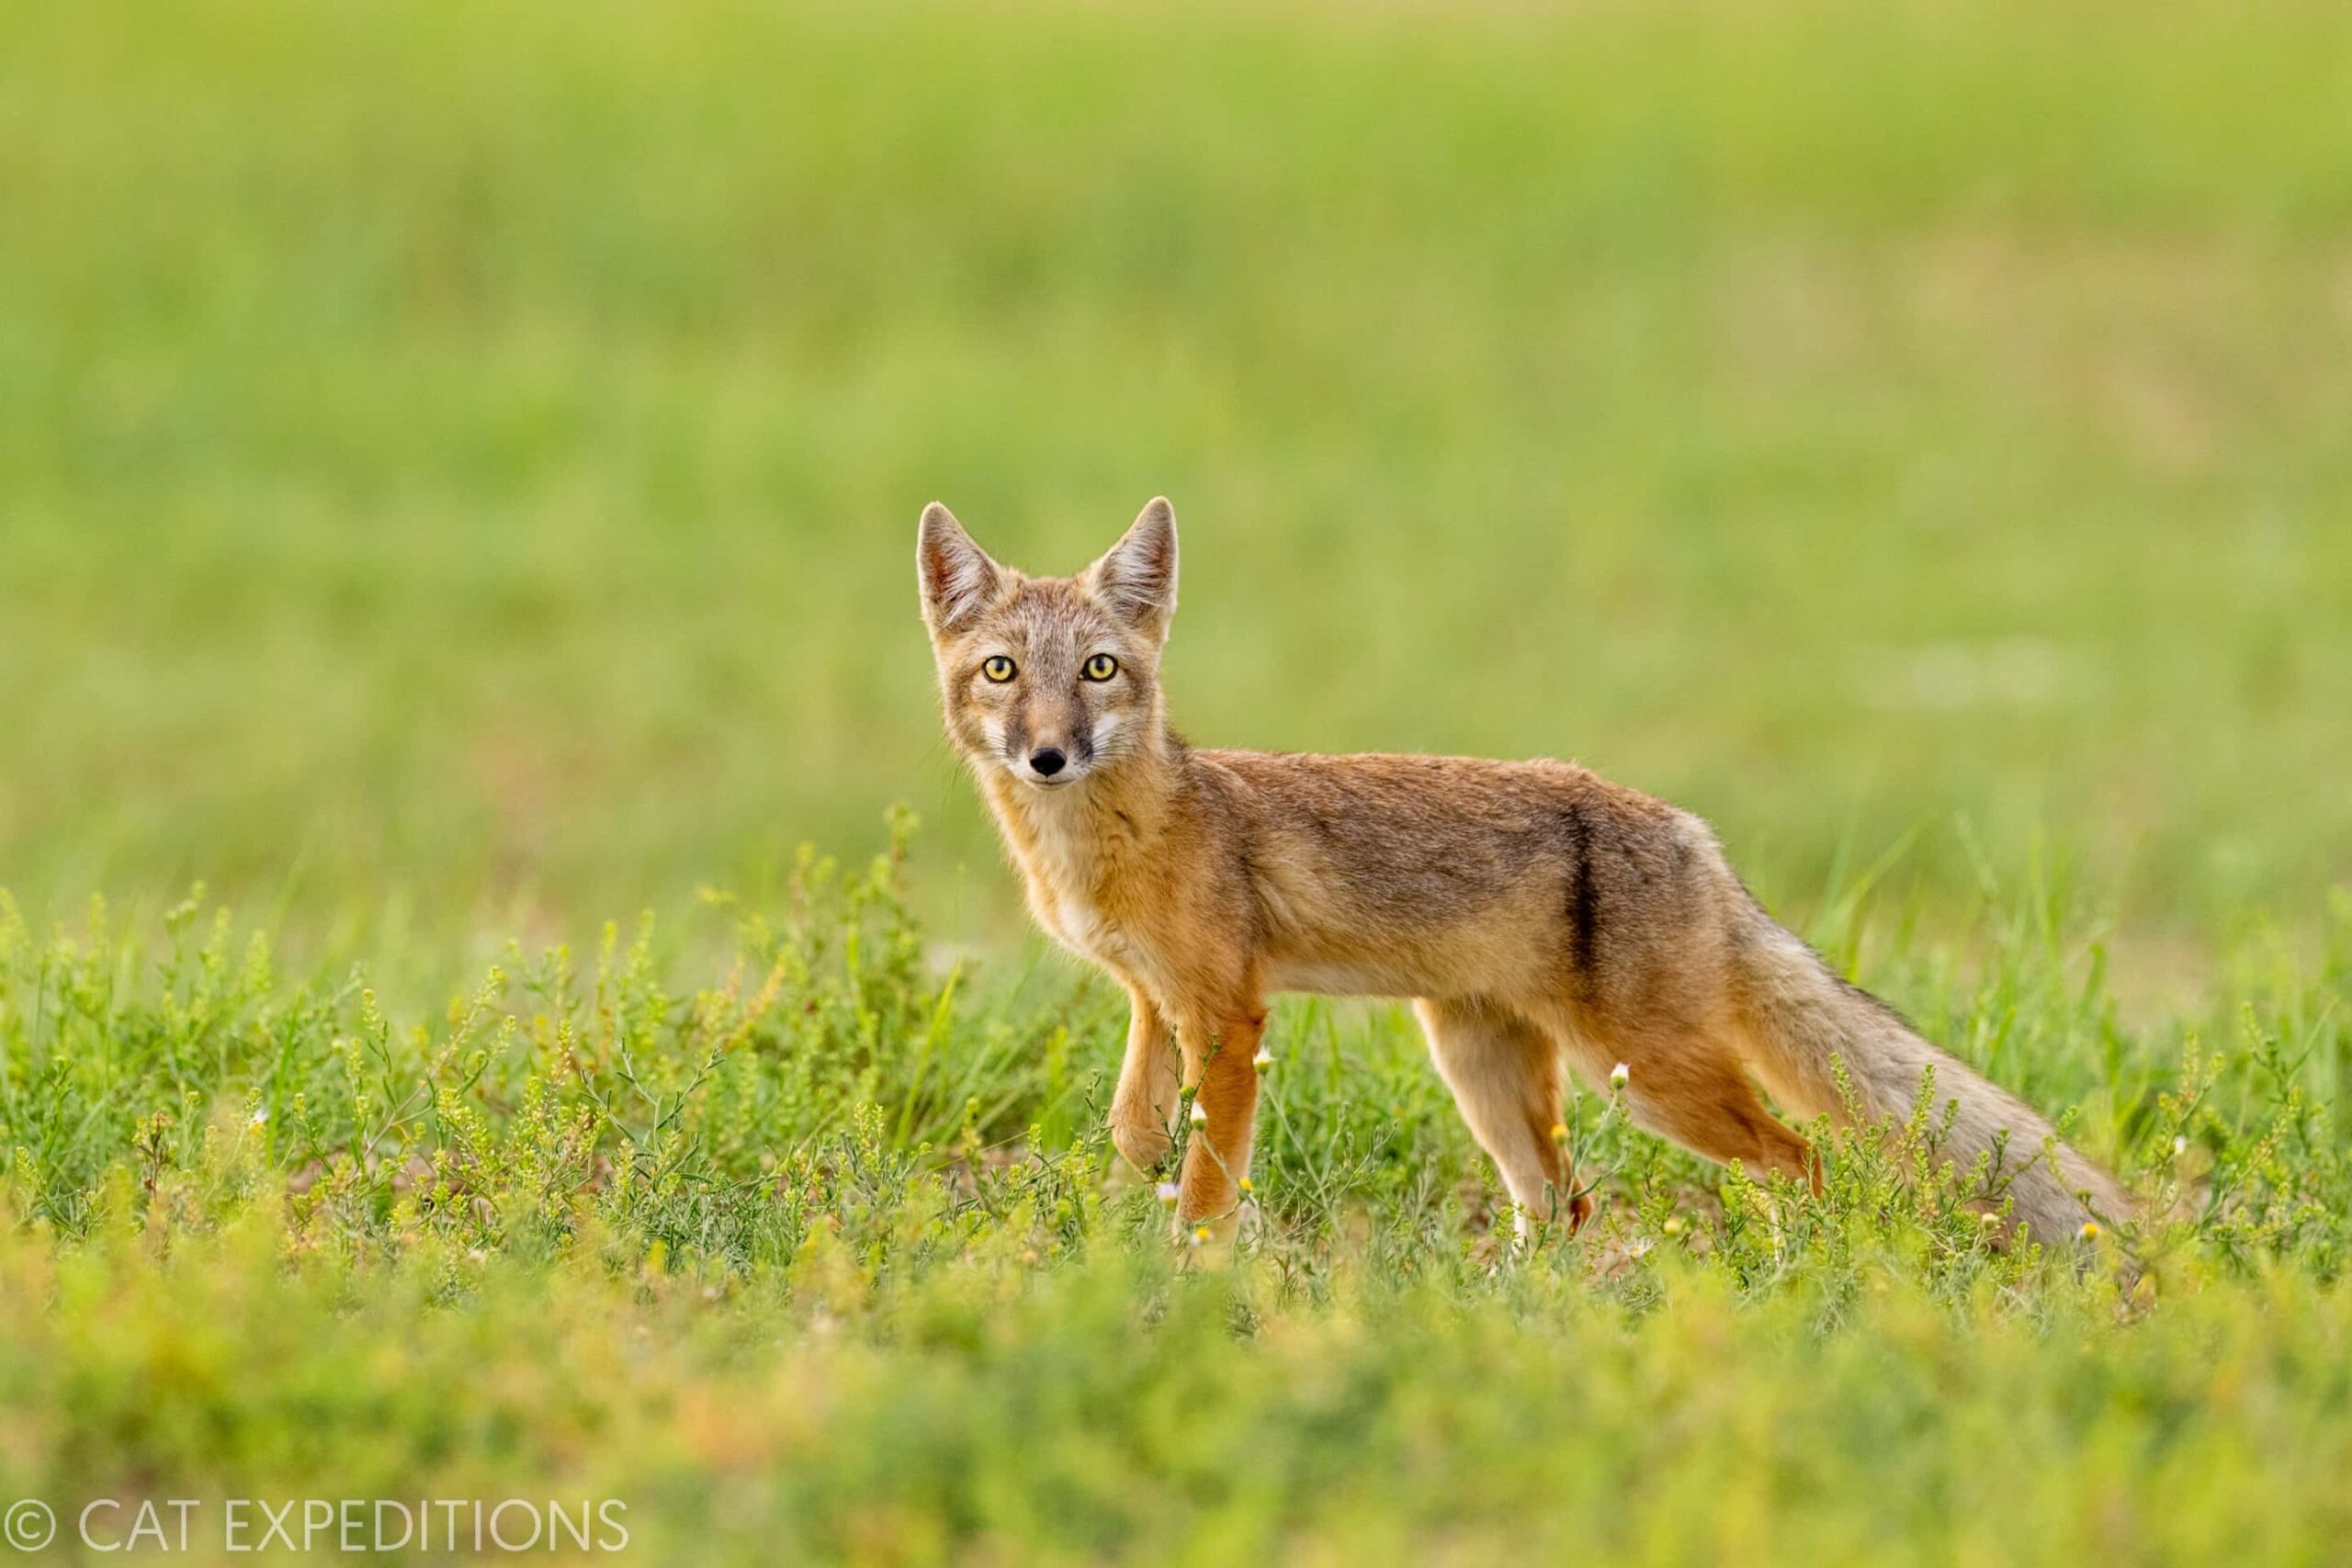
(261, 1116)
(1200, 1235)
(1639, 1247)
(1200, 1114)
(1167, 1192)
(2179, 1146)
(1619, 1076)
(1263, 1060)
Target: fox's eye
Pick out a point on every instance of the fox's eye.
(998, 669)
(1102, 666)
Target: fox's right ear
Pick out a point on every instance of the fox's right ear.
(956, 576)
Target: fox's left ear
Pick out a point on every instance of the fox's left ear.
(1138, 578)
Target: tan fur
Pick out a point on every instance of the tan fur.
(1541, 916)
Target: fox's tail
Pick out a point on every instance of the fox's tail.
(1802, 1017)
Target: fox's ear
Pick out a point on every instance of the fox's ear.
(1138, 578)
(956, 576)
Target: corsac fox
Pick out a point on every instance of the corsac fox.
(1539, 916)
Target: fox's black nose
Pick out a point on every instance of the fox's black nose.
(1048, 762)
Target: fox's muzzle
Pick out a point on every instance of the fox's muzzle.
(1057, 752)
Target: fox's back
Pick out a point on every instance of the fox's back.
(1421, 876)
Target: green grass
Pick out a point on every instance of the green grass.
(458, 468)
(823, 1260)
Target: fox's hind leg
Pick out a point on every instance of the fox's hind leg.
(1703, 1099)
(1505, 1074)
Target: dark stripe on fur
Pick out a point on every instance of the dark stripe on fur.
(1584, 902)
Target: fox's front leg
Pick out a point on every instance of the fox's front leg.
(1221, 1067)
(1143, 1108)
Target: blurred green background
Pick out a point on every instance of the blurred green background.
(465, 457)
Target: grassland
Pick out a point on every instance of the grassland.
(457, 472)
(824, 1260)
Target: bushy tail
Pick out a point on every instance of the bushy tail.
(1801, 1018)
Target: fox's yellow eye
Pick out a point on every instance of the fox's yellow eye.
(1102, 666)
(998, 669)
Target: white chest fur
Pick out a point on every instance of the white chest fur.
(1064, 869)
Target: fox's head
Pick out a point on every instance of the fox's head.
(1052, 678)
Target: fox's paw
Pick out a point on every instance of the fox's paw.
(1208, 1243)
(1528, 1231)
(1141, 1143)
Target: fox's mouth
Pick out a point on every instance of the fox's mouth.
(1068, 773)
(1047, 767)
